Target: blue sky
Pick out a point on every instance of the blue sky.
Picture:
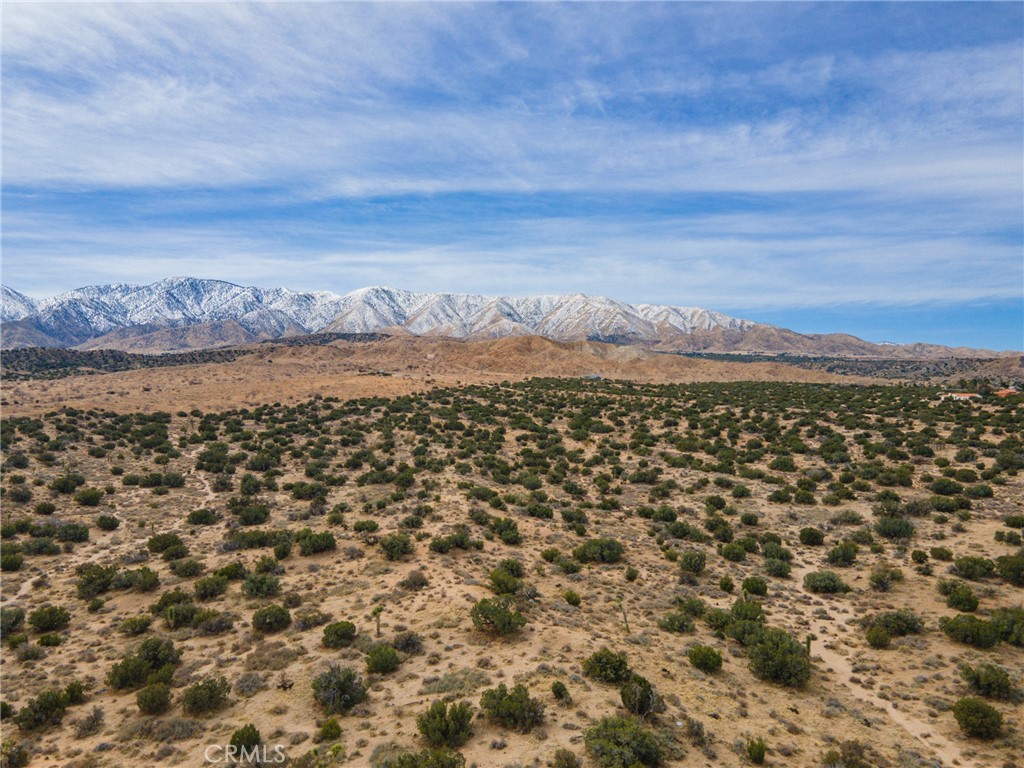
(823, 166)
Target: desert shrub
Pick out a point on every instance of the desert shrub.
(235, 571)
(307, 618)
(313, 543)
(210, 587)
(883, 577)
(339, 634)
(49, 618)
(503, 582)
(135, 625)
(561, 693)
(382, 659)
(11, 561)
(1011, 568)
(572, 598)
(1009, 625)
(977, 718)
(187, 568)
(396, 545)
(892, 527)
(12, 618)
(270, 619)
(898, 623)
(726, 583)
(778, 569)
(676, 621)
(202, 517)
(756, 750)
(94, 579)
(843, 554)
(607, 666)
(246, 739)
(705, 658)
(258, 585)
(962, 598)
(415, 581)
(622, 742)
(692, 561)
(444, 726)
(825, 582)
(878, 637)
(971, 630)
(497, 615)
(107, 523)
(513, 709)
(366, 526)
(338, 689)
(989, 680)
(974, 568)
(207, 695)
(639, 697)
(734, 552)
(778, 658)
(89, 497)
(44, 710)
(603, 550)
(330, 730)
(755, 585)
(154, 699)
(163, 541)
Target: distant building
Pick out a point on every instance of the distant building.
(592, 376)
(1007, 392)
(963, 395)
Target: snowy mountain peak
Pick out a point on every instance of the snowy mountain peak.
(86, 313)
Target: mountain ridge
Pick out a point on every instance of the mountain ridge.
(217, 312)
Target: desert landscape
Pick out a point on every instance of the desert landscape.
(610, 558)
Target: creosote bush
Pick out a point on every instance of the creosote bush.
(513, 709)
(338, 689)
(705, 658)
(340, 634)
(205, 696)
(616, 742)
(607, 666)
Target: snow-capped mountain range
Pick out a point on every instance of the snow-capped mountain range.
(87, 313)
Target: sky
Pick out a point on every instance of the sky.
(821, 166)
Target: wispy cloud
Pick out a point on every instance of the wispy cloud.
(757, 155)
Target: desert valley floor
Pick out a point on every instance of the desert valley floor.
(324, 543)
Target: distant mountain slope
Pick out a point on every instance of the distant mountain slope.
(217, 313)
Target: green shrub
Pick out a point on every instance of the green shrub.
(726, 584)
(755, 585)
(339, 634)
(11, 619)
(892, 527)
(270, 619)
(676, 621)
(843, 554)
(989, 680)
(187, 568)
(572, 598)
(1011, 568)
(444, 726)
(330, 730)
(692, 561)
(639, 697)
(965, 628)
(107, 523)
(962, 598)
(497, 615)
(513, 709)
(257, 585)
(382, 659)
(898, 623)
(778, 658)
(210, 587)
(941, 553)
(778, 569)
(49, 618)
(977, 718)
(878, 637)
(1009, 625)
(561, 693)
(622, 742)
(603, 550)
(427, 758)
(607, 666)
(135, 625)
(44, 710)
(202, 517)
(207, 695)
(246, 738)
(756, 750)
(883, 577)
(974, 568)
(89, 497)
(11, 561)
(825, 583)
(154, 699)
(734, 552)
(396, 545)
(338, 689)
(705, 658)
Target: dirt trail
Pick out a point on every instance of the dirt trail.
(830, 636)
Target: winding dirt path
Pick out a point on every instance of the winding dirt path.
(829, 635)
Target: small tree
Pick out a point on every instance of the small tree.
(497, 615)
(622, 741)
(639, 697)
(445, 726)
(779, 658)
(208, 695)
